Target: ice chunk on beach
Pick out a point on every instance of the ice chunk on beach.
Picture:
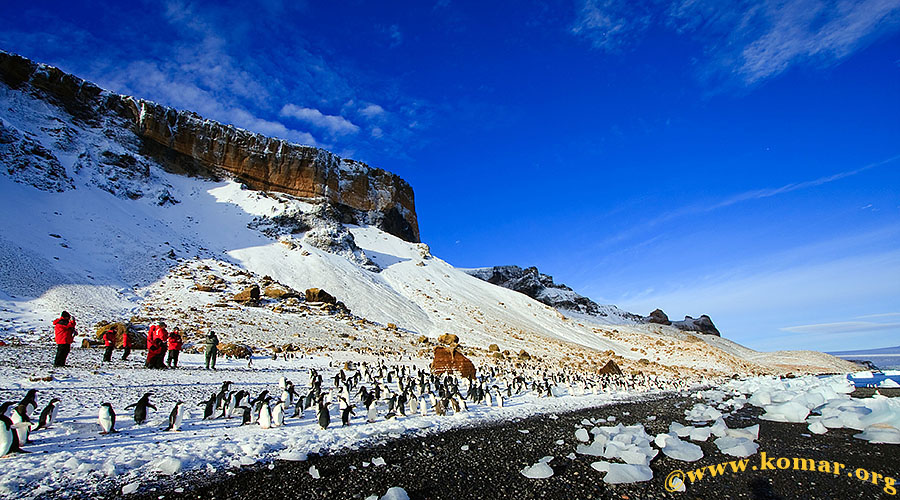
(539, 470)
(700, 433)
(880, 433)
(314, 473)
(681, 430)
(701, 412)
(582, 435)
(889, 383)
(130, 488)
(736, 446)
(718, 428)
(751, 432)
(679, 450)
(786, 412)
(395, 493)
(601, 466)
(168, 466)
(627, 473)
(817, 427)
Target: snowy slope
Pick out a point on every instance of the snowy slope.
(122, 238)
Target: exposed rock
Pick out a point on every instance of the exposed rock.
(703, 324)
(659, 317)
(448, 339)
(137, 337)
(523, 355)
(186, 143)
(541, 287)
(234, 350)
(278, 291)
(447, 359)
(201, 287)
(494, 348)
(249, 294)
(610, 368)
(319, 295)
(28, 162)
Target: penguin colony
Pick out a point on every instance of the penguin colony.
(378, 390)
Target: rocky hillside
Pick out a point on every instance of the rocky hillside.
(542, 288)
(183, 142)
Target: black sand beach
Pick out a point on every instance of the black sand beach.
(436, 467)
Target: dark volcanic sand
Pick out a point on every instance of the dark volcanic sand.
(435, 467)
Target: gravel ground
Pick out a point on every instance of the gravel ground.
(436, 467)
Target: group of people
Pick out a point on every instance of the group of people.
(159, 342)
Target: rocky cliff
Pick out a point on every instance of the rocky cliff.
(542, 288)
(703, 324)
(186, 143)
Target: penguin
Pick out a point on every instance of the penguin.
(322, 415)
(208, 406)
(439, 408)
(48, 415)
(413, 404)
(246, 410)
(18, 417)
(454, 404)
(28, 404)
(371, 412)
(223, 392)
(298, 409)
(345, 415)
(9, 439)
(228, 405)
(278, 414)
(175, 417)
(107, 419)
(423, 406)
(140, 408)
(265, 414)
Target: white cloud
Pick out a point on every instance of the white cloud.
(372, 111)
(610, 24)
(337, 125)
(842, 327)
(752, 41)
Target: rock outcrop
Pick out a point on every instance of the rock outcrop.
(541, 287)
(703, 324)
(449, 359)
(186, 143)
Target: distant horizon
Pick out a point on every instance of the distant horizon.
(738, 161)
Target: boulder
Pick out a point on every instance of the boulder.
(448, 339)
(137, 337)
(494, 348)
(249, 294)
(234, 350)
(610, 368)
(658, 317)
(201, 287)
(319, 295)
(279, 292)
(523, 355)
(448, 359)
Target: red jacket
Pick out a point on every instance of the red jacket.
(175, 341)
(161, 333)
(125, 339)
(109, 338)
(151, 335)
(64, 330)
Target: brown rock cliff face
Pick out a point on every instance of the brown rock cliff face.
(184, 142)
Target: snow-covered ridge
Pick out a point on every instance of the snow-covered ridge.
(184, 142)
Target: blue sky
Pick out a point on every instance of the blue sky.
(737, 159)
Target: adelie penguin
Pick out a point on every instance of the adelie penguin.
(20, 422)
(322, 414)
(140, 408)
(48, 415)
(107, 419)
(175, 417)
(9, 439)
(209, 406)
(28, 404)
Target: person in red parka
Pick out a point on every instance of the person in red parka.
(175, 343)
(109, 340)
(126, 344)
(156, 354)
(151, 335)
(64, 331)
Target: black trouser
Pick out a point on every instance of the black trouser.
(107, 356)
(62, 352)
(173, 358)
(211, 353)
(126, 353)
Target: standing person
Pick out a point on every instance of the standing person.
(109, 340)
(126, 344)
(151, 335)
(156, 354)
(211, 350)
(64, 331)
(161, 332)
(175, 343)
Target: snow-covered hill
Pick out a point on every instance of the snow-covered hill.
(96, 227)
